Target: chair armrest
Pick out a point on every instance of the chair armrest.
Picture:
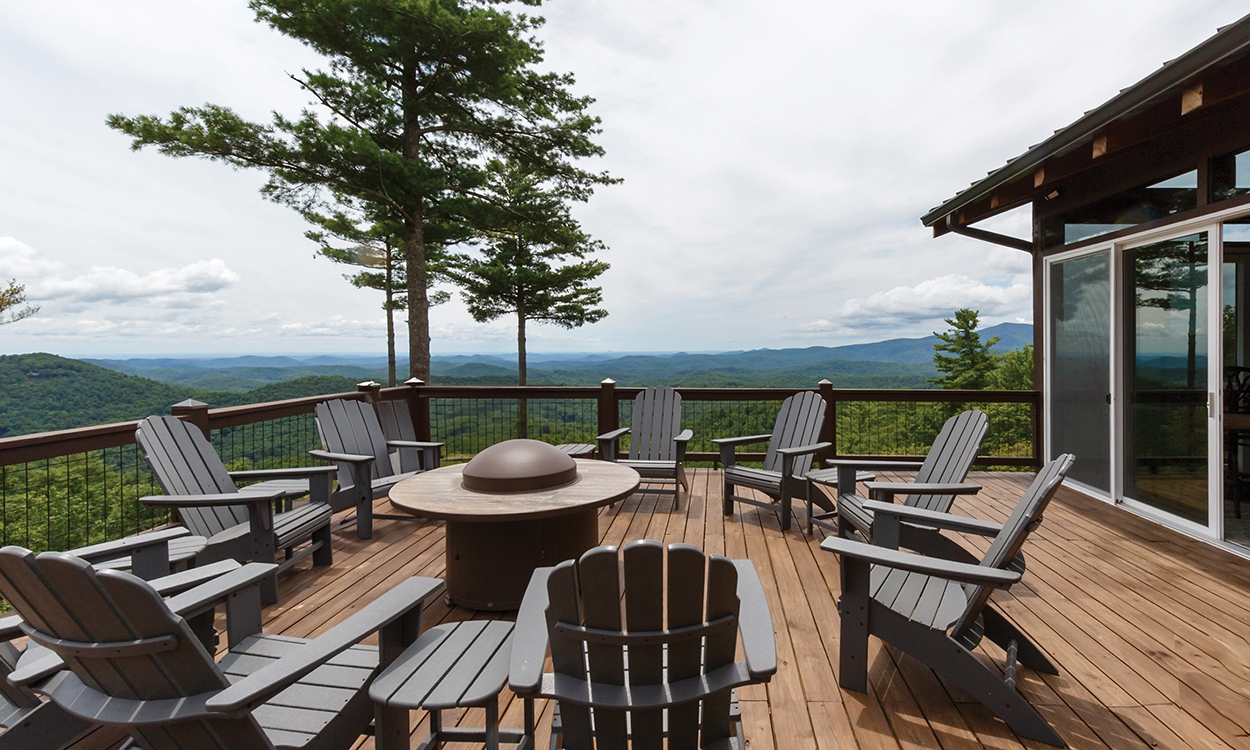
(215, 591)
(177, 583)
(529, 638)
(609, 443)
(727, 446)
(268, 681)
(746, 440)
(887, 490)
(225, 498)
(412, 444)
(934, 566)
(803, 450)
(684, 436)
(883, 464)
(427, 454)
(755, 623)
(351, 458)
(123, 547)
(294, 472)
(10, 628)
(614, 434)
(932, 519)
(36, 663)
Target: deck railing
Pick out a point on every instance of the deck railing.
(74, 487)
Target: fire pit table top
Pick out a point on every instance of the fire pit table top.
(440, 494)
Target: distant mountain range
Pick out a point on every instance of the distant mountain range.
(40, 392)
(894, 363)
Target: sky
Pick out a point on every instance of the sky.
(776, 160)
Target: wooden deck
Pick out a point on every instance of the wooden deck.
(1151, 630)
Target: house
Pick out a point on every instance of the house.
(1141, 258)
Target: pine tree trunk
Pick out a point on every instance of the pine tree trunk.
(414, 241)
(521, 407)
(390, 320)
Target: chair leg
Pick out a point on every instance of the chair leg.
(728, 501)
(324, 554)
(364, 518)
(957, 664)
(853, 610)
(999, 630)
(786, 509)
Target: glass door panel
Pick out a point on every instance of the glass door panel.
(1165, 369)
(1236, 442)
(1080, 366)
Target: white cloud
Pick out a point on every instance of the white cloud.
(934, 299)
(50, 280)
(336, 326)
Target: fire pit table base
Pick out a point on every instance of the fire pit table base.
(489, 564)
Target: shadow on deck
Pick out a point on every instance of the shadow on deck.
(1150, 629)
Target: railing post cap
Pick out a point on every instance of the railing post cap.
(607, 381)
(414, 381)
(824, 381)
(369, 384)
(190, 404)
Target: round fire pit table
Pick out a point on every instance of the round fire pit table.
(495, 540)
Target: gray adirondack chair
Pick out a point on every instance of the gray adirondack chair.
(239, 525)
(791, 445)
(34, 723)
(609, 662)
(937, 610)
(353, 438)
(657, 443)
(134, 663)
(939, 478)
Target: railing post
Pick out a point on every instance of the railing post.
(195, 412)
(372, 391)
(1038, 437)
(829, 431)
(609, 413)
(418, 409)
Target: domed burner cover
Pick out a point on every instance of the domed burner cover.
(519, 466)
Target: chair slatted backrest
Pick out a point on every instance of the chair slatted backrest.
(950, 458)
(1006, 545)
(396, 419)
(655, 422)
(798, 423)
(185, 463)
(587, 593)
(349, 426)
(92, 620)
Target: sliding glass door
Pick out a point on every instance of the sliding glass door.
(1165, 376)
(1080, 366)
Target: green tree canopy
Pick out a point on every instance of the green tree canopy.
(416, 95)
(963, 359)
(524, 266)
(1015, 370)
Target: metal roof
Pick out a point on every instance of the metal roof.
(1175, 75)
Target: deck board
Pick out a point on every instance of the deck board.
(1150, 629)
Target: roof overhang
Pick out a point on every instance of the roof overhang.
(1180, 79)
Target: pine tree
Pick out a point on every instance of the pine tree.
(11, 299)
(417, 94)
(964, 361)
(532, 264)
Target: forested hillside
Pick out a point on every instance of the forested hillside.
(42, 392)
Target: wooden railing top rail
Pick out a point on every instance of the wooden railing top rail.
(46, 445)
(233, 416)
